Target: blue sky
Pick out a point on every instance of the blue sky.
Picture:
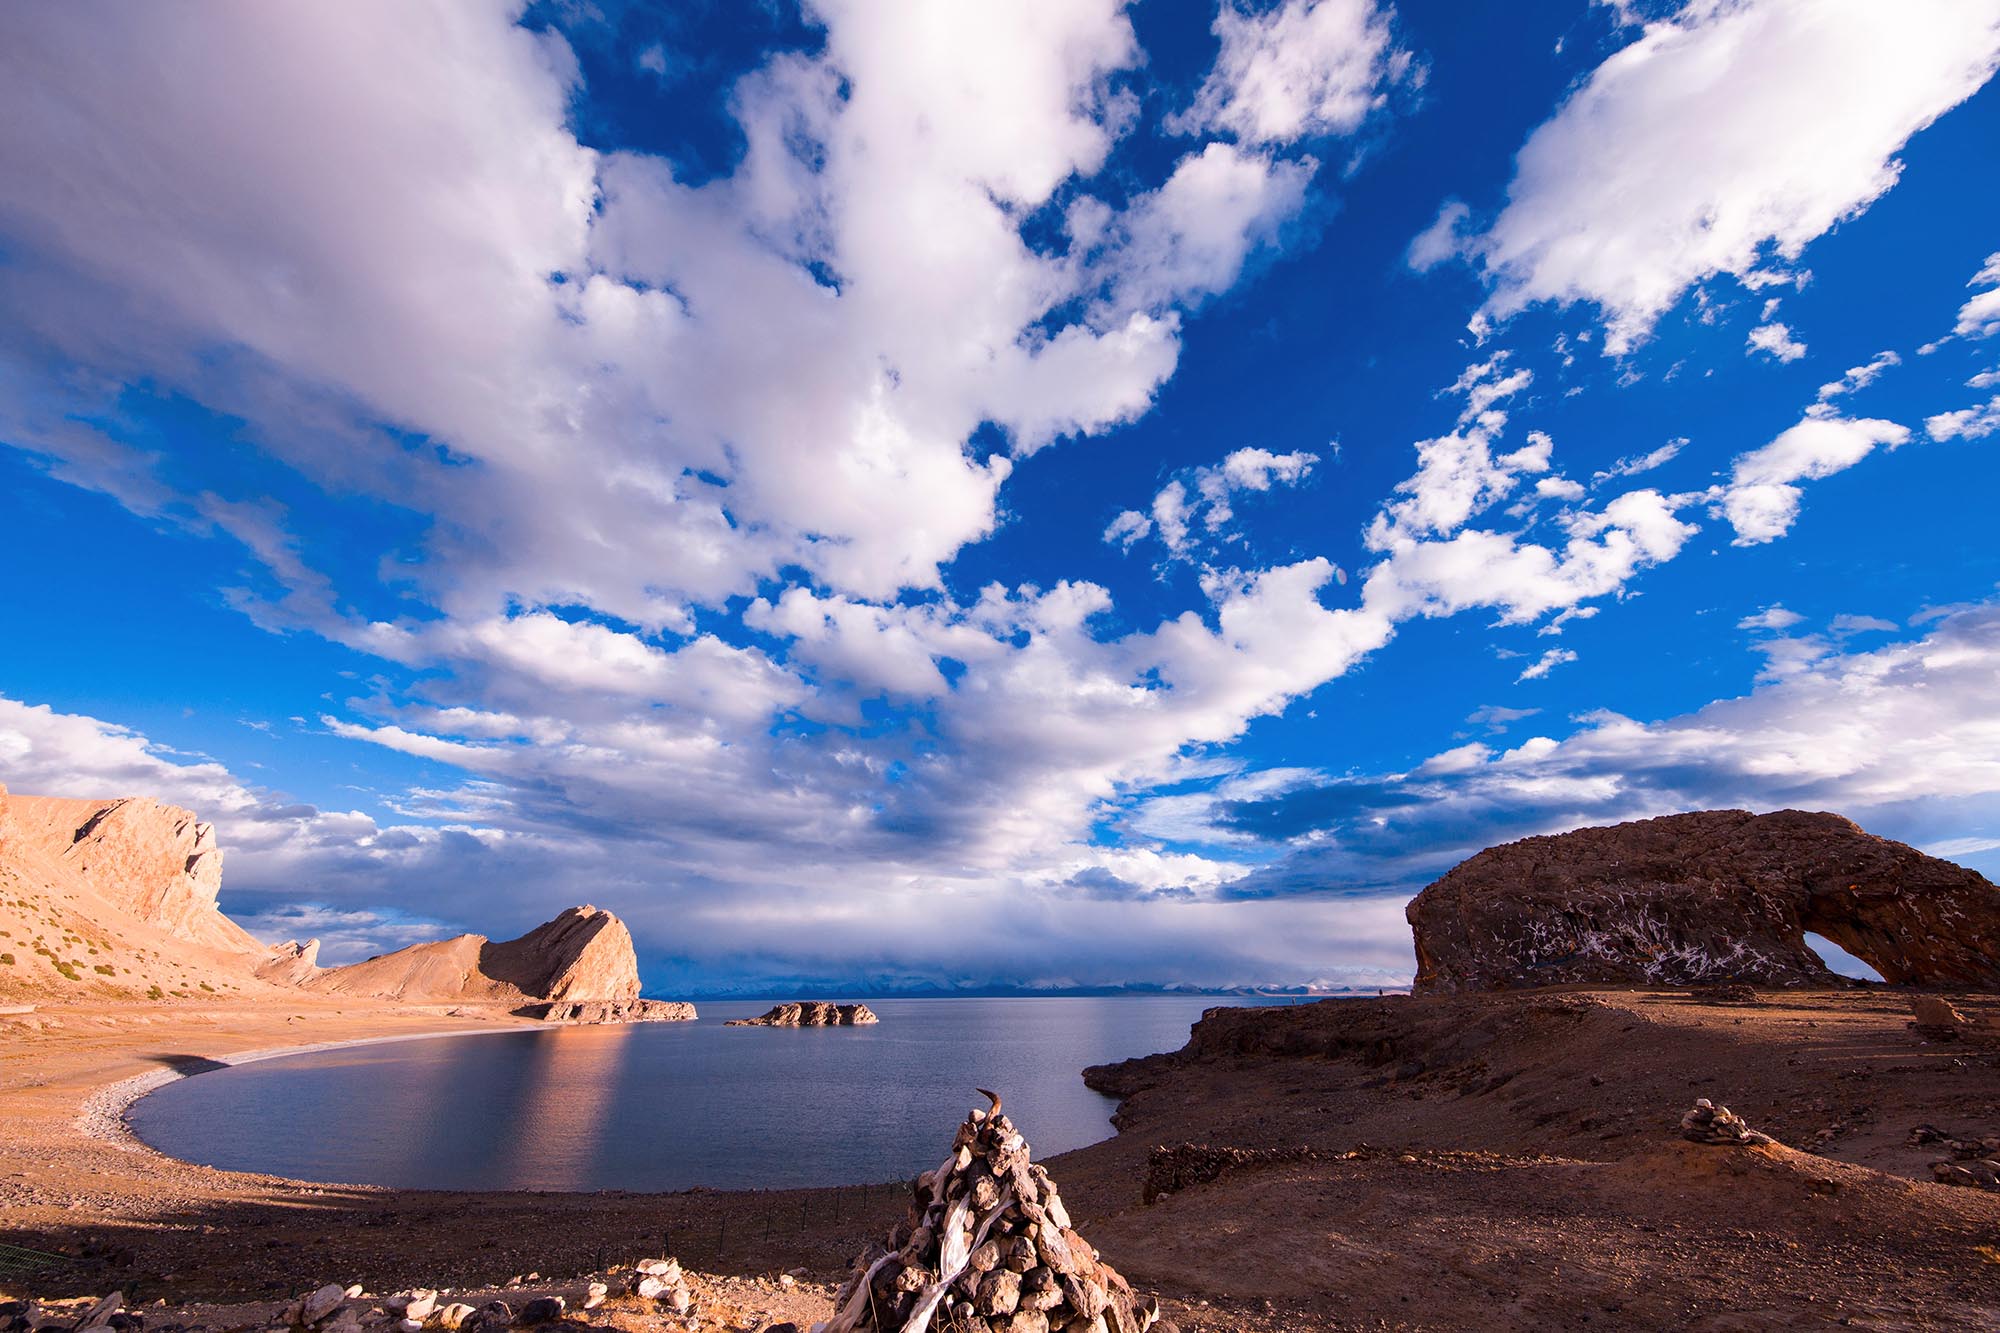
(1049, 494)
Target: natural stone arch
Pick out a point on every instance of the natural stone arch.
(1713, 896)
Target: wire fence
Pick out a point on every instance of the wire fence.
(18, 1262)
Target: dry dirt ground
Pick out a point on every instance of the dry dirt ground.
(1484, 1163)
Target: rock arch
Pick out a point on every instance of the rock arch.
(1716, 895)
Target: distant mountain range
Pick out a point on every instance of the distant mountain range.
(917, 990)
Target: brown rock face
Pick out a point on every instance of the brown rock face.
(155, 864)
(579, 967)
(1717, 895)
(809, 1014)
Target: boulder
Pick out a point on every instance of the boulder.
(1703, 898)
(809, 1014)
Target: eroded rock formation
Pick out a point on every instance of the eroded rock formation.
(153, 863)
(809, 1014)
(581, 966)
(1713, 896)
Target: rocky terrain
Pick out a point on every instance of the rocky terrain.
(809, 1014)
(1713, 896)
(1719, 1159)
(117, 898)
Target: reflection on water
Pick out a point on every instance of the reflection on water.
(670, 1105)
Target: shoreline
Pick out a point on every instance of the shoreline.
(1494, 1129)
(101, 1116)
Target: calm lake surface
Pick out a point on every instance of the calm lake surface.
(665, 1106)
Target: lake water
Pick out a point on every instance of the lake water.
(666, 1106)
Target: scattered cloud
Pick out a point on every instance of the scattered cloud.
(1856, 379)
(1771, 618)
(1546, 663)
(1979, 317)
(1199, 506)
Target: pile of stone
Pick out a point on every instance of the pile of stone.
(1706, 1122)
(1171, 1170)
(987, 1247)
(662, 1280)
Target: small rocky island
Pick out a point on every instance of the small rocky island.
(809, 1014)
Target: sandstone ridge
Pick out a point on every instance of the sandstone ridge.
(578, 967)
(1710, 896)
(119, 897)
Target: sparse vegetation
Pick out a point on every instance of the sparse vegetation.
(6, 960)
(103, 970)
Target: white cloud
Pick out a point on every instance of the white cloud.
(1970, 423)
(329, 221)
(1546, 663)
(1709, 146)
(1175, 511)
(1771, 618)
(1776, 340)
(1979, 317)
(1761, 499)
(1632, 465)
(1856, 379)
(1299, 68)
(1905, 739)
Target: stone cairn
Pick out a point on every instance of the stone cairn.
(987, 1247)
(1706, 1122)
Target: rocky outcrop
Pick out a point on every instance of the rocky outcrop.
(290, 963)
(611, 1011)
(809, 1014)
(580, 967)
(1713, 896)
(152, 863)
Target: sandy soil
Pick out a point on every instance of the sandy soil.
(1505, 1163)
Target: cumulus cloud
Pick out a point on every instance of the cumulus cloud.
(1296, 69)
(1707, 146)
(1761, 498)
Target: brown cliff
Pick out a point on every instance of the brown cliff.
(1712, 896)
(157, 864)
(118, 897)
(580, 966)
